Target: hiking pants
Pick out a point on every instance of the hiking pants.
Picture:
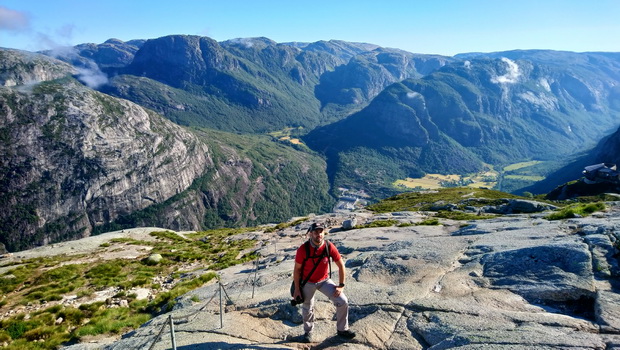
(327, 287)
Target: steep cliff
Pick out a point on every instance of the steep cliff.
(25, 68)
(76, 162)
(74, 158)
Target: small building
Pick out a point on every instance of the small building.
(603, 172)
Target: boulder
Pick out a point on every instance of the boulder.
(528, 206)
(153, 259)
(548, 273)
(349, 224)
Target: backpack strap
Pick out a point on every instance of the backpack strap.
(329, 258)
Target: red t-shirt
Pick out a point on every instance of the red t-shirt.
(322, 271)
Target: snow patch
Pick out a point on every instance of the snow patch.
(413, 94)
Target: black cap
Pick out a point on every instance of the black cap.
(317, 225)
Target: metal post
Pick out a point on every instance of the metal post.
(255, 275)
(221, 307)
(174, 342)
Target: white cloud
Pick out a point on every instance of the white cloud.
(512, 75)
(88, 70)
(13, 21)
(246, 42)
(92, 76)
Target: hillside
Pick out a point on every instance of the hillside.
(256, 84)
(372, 115)
(605, 151)
(77, 162)
(485, 110)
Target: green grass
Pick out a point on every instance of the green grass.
(576, 210)
(380, 223)
(112, 321)
(458, 215)
(416, 201)
(48, 279)
(428, 222)
(521, 165)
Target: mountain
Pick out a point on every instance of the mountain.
(25, 68)
(365, 75)
(113, 53)
(250, 86)
(484, 110)
(254, 84)
(76, 162)
(376, 115)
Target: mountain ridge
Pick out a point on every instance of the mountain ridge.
(76, 161)
(376, 114)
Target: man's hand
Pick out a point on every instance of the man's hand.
(338, 291)
(296, 294)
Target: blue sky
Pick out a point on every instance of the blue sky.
(444, 27)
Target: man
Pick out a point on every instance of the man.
(317, 264)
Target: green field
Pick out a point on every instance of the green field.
(521, 165)
(524, 177)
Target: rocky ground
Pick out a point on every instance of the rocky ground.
(513, 282)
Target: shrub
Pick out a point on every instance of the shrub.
(72, 315)
(459, 215)
(379, 223)
(112, 321)
(15, 328)
(429, 222)
(575, 210)
(4, 337)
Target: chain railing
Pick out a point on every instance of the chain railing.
(221, 291)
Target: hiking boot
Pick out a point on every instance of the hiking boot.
(305, 338)
(346, 334)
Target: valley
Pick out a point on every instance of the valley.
(486, 179)
(517, 174)
(163, 163)
(189, 133)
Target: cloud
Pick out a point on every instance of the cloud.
(88, 71)
(245, 42)
(512, 73)
(92, 76)
(13, 21)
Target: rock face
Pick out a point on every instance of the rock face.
(112, 53)
(76, 161)
(518, 282)
(74, 158)
(367, 74)
(25, 68)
